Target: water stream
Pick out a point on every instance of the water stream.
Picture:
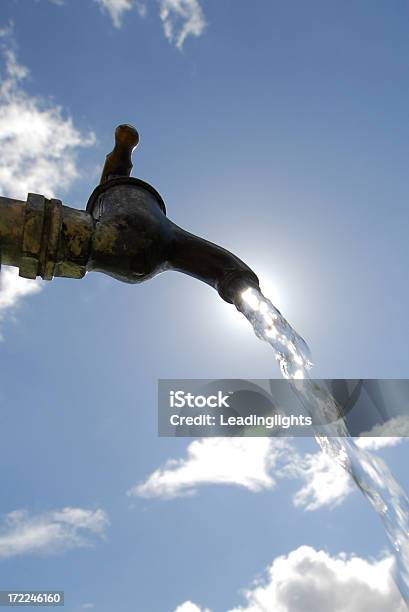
(369, 472)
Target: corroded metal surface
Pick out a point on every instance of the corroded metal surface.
(32, 235)
(12, 213)
(44, 238)
(74, 245)
(132, 234)
(119, 162)
(124, 232)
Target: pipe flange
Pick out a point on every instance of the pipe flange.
(32, 235)
(123, 180)
(41, 236)
(51, 238)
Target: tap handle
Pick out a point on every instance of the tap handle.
(118, 162)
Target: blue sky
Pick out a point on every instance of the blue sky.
(278, 130)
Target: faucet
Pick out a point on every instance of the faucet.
(123, 232)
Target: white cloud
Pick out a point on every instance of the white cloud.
(188, 606)
(48, 533)
(326, 484)
(38, 145)
(13, 289)
(180, 19)
(391, 433)
(245, 462)
(375, 443)
(116, 9)
(308, 580)
(38, 142)
(256, 463)
(88, 606)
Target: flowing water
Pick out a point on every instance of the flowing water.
(369, 472)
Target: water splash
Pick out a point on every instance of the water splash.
(369, 472)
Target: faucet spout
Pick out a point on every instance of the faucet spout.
(210, 263)
(124, 232)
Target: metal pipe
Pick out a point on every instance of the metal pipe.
(44, 238)
(124, 232)
(12, 214)
(209, 263)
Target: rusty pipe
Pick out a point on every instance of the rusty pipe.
(42, 237)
